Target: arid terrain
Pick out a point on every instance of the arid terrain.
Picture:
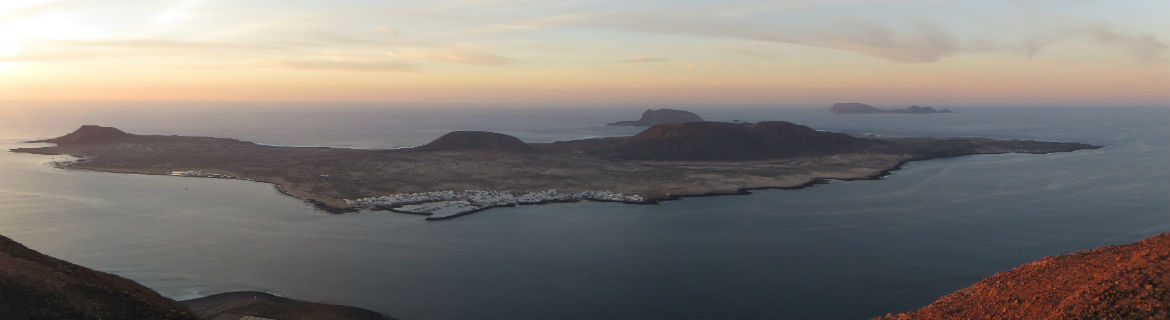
(1115, 282)
(663, 162)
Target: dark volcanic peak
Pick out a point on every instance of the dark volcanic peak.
(477, 140)
(728, 141)
(88, 135)
(652, 117)
(36, 286)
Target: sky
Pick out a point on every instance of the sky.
(887, 52)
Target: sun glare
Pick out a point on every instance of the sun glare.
(8, 45)
(53, 25)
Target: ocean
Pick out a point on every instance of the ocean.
(842, 250)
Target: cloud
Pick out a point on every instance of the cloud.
(904, 41)
(454, 55)
(922, 41)
(179, 44)
(754, 49)
(1140, 46)
(641, 60)
(350, 65)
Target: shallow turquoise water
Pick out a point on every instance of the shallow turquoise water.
(842, 250)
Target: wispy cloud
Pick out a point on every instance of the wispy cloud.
(1140, 46)
(350, 65)
(912, 41)
(641, 60)
(453, 55)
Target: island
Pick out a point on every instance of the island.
(653, 117)
(1115, 282)
(469, 171)
(854, 107)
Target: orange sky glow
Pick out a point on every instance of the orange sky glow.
(1033, 52)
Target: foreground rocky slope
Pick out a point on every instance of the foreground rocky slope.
(1116, 282)
(36, 286)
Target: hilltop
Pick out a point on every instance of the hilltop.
(89, 135)
(723, 141)
(476, 140)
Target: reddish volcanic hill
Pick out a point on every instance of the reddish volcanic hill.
(728, 141)
(477, 140)
(36, 286)
(1116, 282)
(89, 135)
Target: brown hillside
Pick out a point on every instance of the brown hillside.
(1116, 282)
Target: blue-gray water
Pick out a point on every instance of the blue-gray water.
(844, 250)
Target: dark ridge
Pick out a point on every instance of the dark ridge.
(652, 117)
(728, 142)
(89, 135)
(36, 286)
(268, 306)
(477, 140)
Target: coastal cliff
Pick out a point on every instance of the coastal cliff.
(1115, 282)
(652, 117)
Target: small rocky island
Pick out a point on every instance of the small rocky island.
(469, 171)
(653, 117)
(853, 107)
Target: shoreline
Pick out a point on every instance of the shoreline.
(649, 201)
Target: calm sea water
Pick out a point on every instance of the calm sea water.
(844, 250)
